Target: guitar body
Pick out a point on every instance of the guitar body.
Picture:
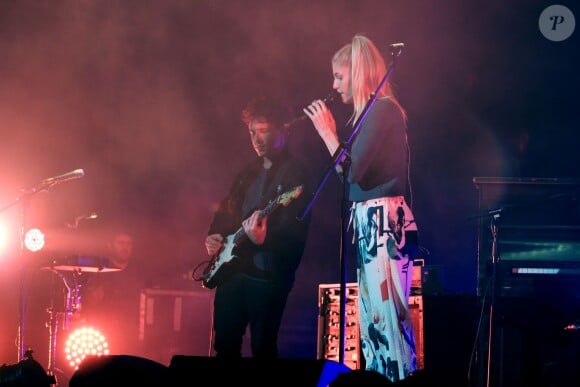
(217, 269)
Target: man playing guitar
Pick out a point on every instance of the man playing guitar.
(253, 284)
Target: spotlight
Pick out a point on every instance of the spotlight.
(83, 342)
(34, 239)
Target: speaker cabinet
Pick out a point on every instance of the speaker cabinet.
(535, 344)
(173, 322)
(329, 324)
(416, 310)
(120, 371)
(189, 370)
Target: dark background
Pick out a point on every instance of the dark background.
(145, 97)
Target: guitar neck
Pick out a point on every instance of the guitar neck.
(268, 209)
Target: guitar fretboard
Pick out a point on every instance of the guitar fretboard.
(240, 234)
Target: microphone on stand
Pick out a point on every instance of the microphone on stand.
(76, 174)
(51, 181)
(92, 215)
(330, 98)
(396, 48)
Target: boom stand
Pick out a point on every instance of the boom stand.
(495, 216)
(43, 186)
(341, 158)
(25, 200)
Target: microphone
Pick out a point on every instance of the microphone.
(330, 98)
(49, 182)
(76, 174)
(92, 215)
(396, 48)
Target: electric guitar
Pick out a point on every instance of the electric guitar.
(214, 272)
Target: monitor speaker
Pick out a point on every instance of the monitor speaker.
(186, 370)
(118, 371)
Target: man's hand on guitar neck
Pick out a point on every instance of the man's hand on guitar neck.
(214, 243)
(255, 228)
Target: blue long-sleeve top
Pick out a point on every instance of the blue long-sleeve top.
(379, 154)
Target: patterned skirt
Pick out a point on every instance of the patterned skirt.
(386, 239)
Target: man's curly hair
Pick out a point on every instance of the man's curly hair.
(267, 109)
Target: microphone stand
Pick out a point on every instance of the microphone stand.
(494, 220)
(43, 186)
(24, 199)
(341, 157)
(494, 263)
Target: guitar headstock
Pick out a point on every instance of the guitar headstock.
(288, 196)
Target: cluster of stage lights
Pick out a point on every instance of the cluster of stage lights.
(82, 342)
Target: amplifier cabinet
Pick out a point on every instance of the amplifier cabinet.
(329, 325)
(173, 322)
(416, 309)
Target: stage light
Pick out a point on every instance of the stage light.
(3, 236)
(83, 342)
(34, 239)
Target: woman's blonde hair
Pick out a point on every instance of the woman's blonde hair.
(367, 70)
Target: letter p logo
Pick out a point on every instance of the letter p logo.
(557, 23)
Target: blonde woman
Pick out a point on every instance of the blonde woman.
(385, 231)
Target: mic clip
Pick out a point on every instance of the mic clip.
(396, 49)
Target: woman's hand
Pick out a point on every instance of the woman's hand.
(324, 123)
(214, 243)
(255, 228)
